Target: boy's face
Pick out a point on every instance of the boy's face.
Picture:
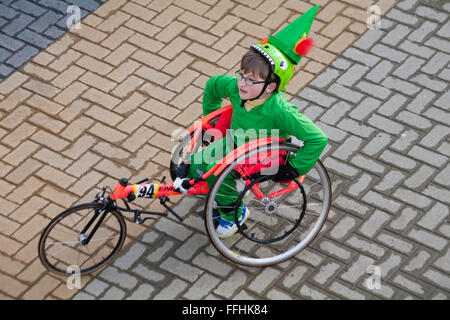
(248, 91)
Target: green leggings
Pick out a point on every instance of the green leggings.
(203, 161)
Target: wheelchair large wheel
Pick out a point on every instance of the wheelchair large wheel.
(284, 217)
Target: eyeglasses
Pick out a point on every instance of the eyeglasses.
(247, 81)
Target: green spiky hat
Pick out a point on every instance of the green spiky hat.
(288, 46)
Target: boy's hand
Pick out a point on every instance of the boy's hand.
(285, 173)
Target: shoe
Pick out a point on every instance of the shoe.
(228, 228)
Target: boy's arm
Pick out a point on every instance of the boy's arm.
(314, 139)
(217, 88)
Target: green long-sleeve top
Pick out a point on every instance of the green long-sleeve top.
(275, 113)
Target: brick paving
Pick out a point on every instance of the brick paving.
(100, 103)
(27, 27)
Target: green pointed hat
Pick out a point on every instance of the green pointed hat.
(288, 39)
(287, 47)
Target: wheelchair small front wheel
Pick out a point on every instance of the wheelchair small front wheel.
(284, 217)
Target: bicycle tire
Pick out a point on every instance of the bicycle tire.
(55, 264)
(241, 258)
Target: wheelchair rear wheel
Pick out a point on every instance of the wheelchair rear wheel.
(284, 217)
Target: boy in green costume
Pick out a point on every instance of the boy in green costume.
(259, 106)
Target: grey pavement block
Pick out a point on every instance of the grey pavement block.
(402, 17)
(325, 78)
(350, 205)
(413, 120)
(317, 97)
(234, 282)
(202, 287)
(438, 115)
(360, 186)
(352, 75)
(415, 49)
(133, 253)
(430, 13)
(366, 246)
(4, 54)
(385, 124)
(336, 251)
(371, 226)
(396, 35)
(395, 242)
(313, 112)
(409, 67)
(326, 272)
(343, 227)
(191, 246)
(443, 177)
(407, 4)
(34, 39)
(22, 56)
(427, 82)
(264, 279)
(90, 5)
(423, 31)
(10, 43)
(114, 293)
(444, 261)
(122, 279)
(418, 261)
(438, 278)
(350, 145)
(340, 63)
(385, 203)
(373, 89)
(357, 269)
(171, 291)
(96, 287)
(400, 85)
(368, 164)
(381, 70)
(28, 7)
(406, 139)
(149, 274)
(293, 277)
(309, 256)
(361, 56)
(18, 24)
(436, 63)
(356, 128)
(421, 101)
(439, 44)
(377, 144)
(437, 193)
(409, 285)
(443, 101)
(5, 70)
(45, 21)
(427, 156)
(398, 160)
(212, 265)
(345, 93)
(444, 30)
(390, 180)
(428, 239)
(3, 22)
(181, 269)
(419, 177)
(389, 53)
(158, 253)
(276, 294)
(346, 292)
(311, 293)
(335, 113)
(143, 292)
(7, 12)
(402, 220)
(434, 217)
(370, 37)
(340, 167)
(173, 229)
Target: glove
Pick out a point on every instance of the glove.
(182, 170)
(181, 185)
(285, 173)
